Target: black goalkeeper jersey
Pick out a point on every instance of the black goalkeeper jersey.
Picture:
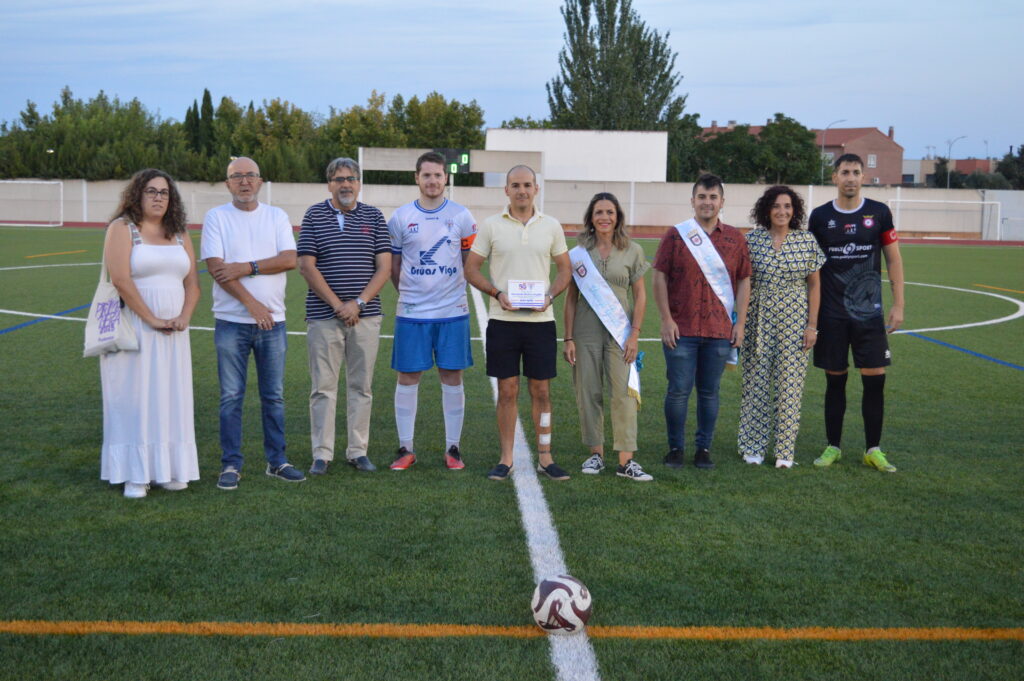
(851, 280)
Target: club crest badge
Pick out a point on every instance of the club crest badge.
(695, 237)
(869, 221)
(581, 269)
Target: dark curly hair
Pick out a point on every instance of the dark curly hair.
(588, 237)
(130, 207)
(761, 213)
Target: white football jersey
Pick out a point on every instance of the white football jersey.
(431, 242)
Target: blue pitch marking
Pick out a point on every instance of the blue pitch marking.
(969, 352)
(36, 321)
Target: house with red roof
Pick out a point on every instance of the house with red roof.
(883, 157)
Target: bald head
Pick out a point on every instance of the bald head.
(244, 183)
(243, 164)
(520, 169)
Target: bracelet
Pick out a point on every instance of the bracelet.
(811, 328)
(255, 268)
(497, 292)
(566, 340)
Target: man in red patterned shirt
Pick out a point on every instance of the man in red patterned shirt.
(701, 287)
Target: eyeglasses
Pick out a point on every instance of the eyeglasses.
(238, 177)
(153, 193)
(341, 179)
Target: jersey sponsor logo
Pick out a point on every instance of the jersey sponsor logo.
(850, 228)
(869, 221)
(413, 227)
(427, 265)
(427, 256)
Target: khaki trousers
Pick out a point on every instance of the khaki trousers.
(330, 344)
(598, 365)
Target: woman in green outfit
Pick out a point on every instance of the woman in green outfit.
(597, 358)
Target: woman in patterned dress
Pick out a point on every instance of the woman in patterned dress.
(781, 325)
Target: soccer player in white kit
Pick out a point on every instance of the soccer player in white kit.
(430, 239)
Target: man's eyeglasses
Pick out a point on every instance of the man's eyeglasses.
(153, 193)
(238, 177)
(341, 179)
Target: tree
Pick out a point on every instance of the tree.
(789, 154)
(527, 123)
(955, 180)
(1012, 167)
(615, 73)
(205, 137)
(735, 155)
(981, 180)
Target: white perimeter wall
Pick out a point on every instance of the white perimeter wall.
(650, 204)
(589, 155)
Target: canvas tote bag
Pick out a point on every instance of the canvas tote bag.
(108, 329)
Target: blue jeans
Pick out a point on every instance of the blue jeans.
(693, 360)
(234, 343)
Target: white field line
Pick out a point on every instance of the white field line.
(572, 656)
(1000, 320)
(39, 267)
(1019, 313)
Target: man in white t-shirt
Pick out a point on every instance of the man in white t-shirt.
(430, 239)
(248, 247)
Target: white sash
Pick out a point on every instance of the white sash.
(603, 302)
(710, 263)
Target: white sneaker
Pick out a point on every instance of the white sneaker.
(633, 471)
(173, 485)
(784, 463)
(134, 490)
(753, 459)
(593, 465)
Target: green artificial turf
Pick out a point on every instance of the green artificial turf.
(939, 544)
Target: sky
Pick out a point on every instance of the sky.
(935, 70)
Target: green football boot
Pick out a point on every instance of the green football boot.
(828, 457)
(876, 459)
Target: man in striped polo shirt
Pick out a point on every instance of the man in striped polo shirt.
(430, 239)
(345, 257)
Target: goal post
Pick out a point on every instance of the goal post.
(32, 203)
(937, 216)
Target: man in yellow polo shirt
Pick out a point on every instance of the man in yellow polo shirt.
(519, 245)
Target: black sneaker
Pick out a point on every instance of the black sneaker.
(702, 459)
(553, 471)
(674, 459)
(499, 472)
(229, 478)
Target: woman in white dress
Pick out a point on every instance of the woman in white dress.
(148, 427)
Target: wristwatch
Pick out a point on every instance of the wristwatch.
(361, 303)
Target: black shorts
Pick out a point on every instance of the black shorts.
(836, 337)
(534, 342)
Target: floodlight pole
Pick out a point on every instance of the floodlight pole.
(949, 157)
(823, 133)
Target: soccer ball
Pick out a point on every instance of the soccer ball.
(561, 605)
